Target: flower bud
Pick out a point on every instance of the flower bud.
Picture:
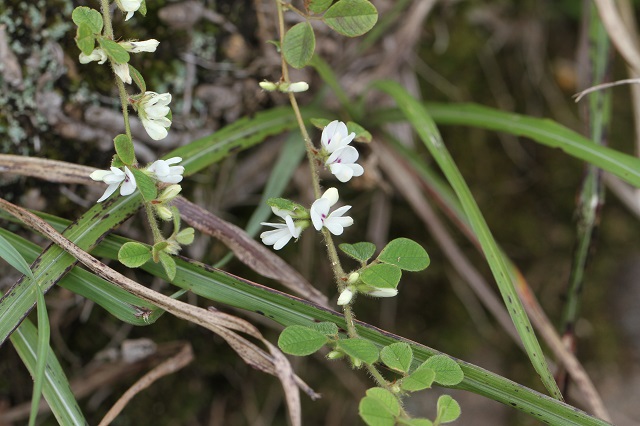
(296, 87)
(353, 278)
(169, 193)
(164, 212)
(335, 355)
(345, 297)
(268, 86)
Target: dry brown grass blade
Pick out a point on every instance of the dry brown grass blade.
(617, 30)
(170, 366)
(49, 170)
(217, 322)
(408, 185)
(572, 364)
(250, 252)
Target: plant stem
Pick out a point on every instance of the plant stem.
(153, 223)
(336, 266)
(106, 19)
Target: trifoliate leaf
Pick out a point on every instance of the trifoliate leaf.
(85, 40)
(186, 236)
(299, 340)
(397, 356)
(317, 6)
(124, 148)
(320, 123)
(11, 255)
(134, 255)
(415, 422)
(448, 409)
(299, 44)
(284, 204)
(359, 251)
(421, 378)
(379, 408)
(326, 328)
(83, 15)
(360, 349)
(351, 18)
(362, 135)
(381, 275)
(373, 414)
(145, 184)
(117, 53)
(405, 254)
(448, 372)
(137, 79)
(168, 264)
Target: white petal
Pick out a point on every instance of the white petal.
(154, 130)
(319, 210)
(129, 15)
(340, 211)
(328, 134)
(345, 297)
(384, 292)
(144, 46)
(331, 195)
(336, 225)
(281, 212)
(122, 71)
(99, 174)
(282, 242)
(107, 193)
(174, 160)
(344, 155)
(129, 185)
(293, 229)
(342, 172)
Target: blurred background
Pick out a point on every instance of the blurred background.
(518, 56)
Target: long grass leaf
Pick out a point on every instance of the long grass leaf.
(56, 389)
(219, 286)
(13, 257)
(420, 119)
(42, 350)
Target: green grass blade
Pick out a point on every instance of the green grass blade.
(290, 156)
(54, 262)
(42, 350)
(544, 131)
(101, 218)
(240, 135)
(425, 127)
(56, 389)
(13, 257)
(120, 303)
(216, 285)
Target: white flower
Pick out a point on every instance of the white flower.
(345, 297)
(165, 172)
(122, 71)
(335, 136)
(334, 221)
(129, 6)
(341, 157)
(97, 55)
(115, 178)
(282, 233)
(140, 46)
(153, 111)
(342, 163)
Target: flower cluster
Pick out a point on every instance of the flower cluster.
(152, 107)
(159, 170)
(336, 152)
(296, 221)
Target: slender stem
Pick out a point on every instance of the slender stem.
(153, 223)
(336, 266)
(106, 19)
